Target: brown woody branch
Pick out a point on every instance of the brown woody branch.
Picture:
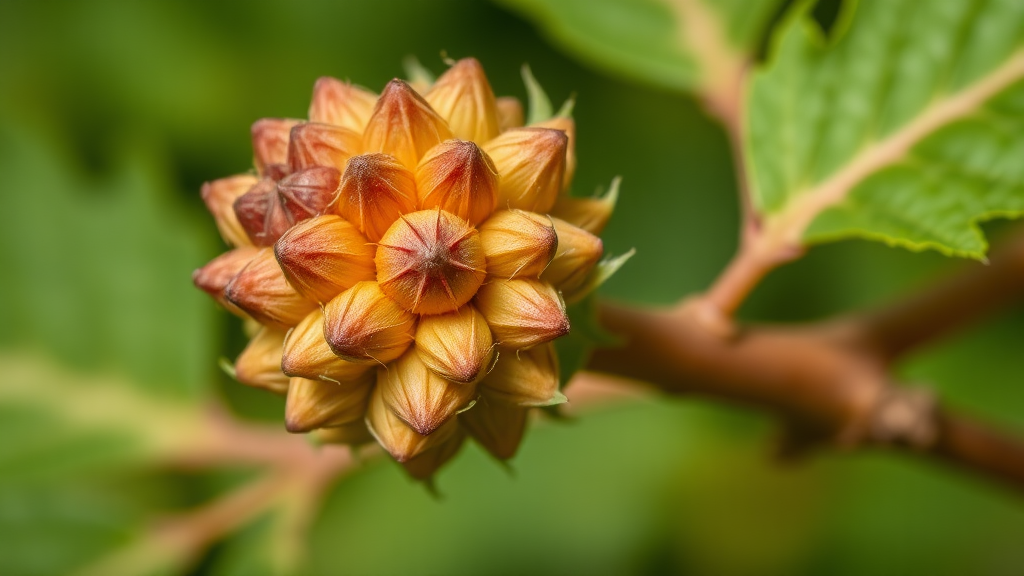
(830, 381)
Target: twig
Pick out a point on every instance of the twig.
(819, 378)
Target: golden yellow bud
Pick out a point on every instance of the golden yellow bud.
(259, 364)
(430, 262)
(317, 404)
(456, 346)
(521, 312)
(397, 437)
(341, 103)
(567, 125)
(464, 98)
(353, 434)
(496, 425)
(510, 113)
(531, 167)
(590, 214)
(270, 142)
(419, 397)
(375, 190)
(578, 252)
(424, 466)
(307, 354)
(458, 177)
(518, 243)
(323, 256)
(313, 144)
(526, 377)
(404, 125)
(220, 196)
(261, 290)
(217, 274)
(363, 325)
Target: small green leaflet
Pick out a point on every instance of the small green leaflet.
(907, 126)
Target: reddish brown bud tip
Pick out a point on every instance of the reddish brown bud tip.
(259, 364)
(397, 437)
(531, 167)
(464, 98)
(220, 196)
(316, 404)
(259, 213)
(342, 104)
(270, 142)
(496, 425)
(518, 243)
(526, 377)
(323, 256)
(522, 313)
(309, 192)
(261, 290)
(217, 274)
(363, 325)
(404, 125)
(430, 262)
(307, 354)
(456, 346)
(578, 252)
(510, 113)
(422, 399)
(458, 177)
(375, 190)
(314, 144)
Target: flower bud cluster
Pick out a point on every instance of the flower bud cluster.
(406, 259)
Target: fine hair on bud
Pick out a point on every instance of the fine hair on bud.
(376, 189)
(522, 312)
(261, 290)
(456, 346)
(318, 404)
(363, 325)
(463, 97)
(458, 177)
(398, 438)
(430, 262)
(404, 125)
(422, 399)
(307, 354)
(324, 256)
(578, 252)
(518, 243)
(526, 377)
(531, 167)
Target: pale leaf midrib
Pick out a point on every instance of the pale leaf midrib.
(787, 227)
(702, 34)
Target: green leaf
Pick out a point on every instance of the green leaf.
(98, 271)
(539, 105)
(673, 43)
(906, 127)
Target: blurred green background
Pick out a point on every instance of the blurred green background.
(112, 114)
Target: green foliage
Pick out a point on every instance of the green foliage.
(910, 119)
(646, 39)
